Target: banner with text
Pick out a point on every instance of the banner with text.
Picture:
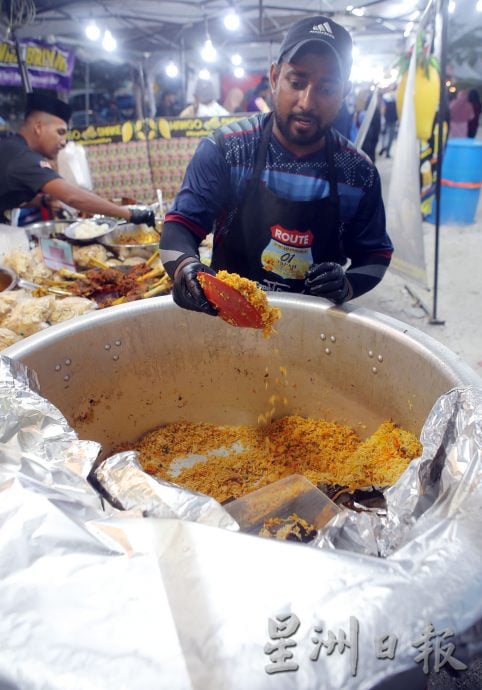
(49, 66)
(149, 129)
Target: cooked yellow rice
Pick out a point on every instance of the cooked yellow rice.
(255, 296)
(324, 452)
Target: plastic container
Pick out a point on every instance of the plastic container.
(461, 182)
(293, 495)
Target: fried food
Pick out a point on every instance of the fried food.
(240, 459)
(110, 286)
(8, 300)
(8, 337)
(28, 265)
(84, 255)
(29, 315)
(69, 307)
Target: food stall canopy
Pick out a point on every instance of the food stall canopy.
(377, 26)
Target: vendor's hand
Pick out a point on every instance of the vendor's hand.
(186, 291)
(328, 280)
(143, 215)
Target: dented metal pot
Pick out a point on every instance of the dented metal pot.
(127, 369)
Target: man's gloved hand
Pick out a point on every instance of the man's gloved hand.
(143, 215)
(186, 291)
(328, 280)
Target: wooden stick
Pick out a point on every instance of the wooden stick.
(73, 275)
(152, 274)
(152, 258)
(97, 262)
(160, 289)
(119, 300)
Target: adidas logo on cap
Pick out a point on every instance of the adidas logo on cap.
(324, 29)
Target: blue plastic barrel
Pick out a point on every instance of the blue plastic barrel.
(461, 182)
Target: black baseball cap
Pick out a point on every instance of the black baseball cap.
(315, 33)
(40, 102)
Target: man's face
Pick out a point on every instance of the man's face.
(51, 134)
(307, 96)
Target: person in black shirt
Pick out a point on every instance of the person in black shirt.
(27, 175)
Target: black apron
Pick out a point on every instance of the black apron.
(274, 241)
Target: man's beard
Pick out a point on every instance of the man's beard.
(300, 138)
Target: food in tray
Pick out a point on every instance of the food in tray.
(83, 256)
(239, 301)
(141, 235)
(24, 315)
(8, 337)
(28, 265)
(68, 308)
(88, 229)
(110, 286)
(324, 452)
(292, 528)
(64, 295)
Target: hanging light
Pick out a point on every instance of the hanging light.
(108, 42)
(231, 20)
(239, 72)
(478, 6)
(208, 52)
(204, 74)
(92, 31)
(172, 70)
(408, 29)
(452, 6)
(236, 59)
(358, 11)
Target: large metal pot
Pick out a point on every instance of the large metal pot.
(124, 370)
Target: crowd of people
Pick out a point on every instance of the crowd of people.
(205, 103)
(464, 111)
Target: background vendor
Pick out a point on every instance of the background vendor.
(289, 197)
(27, 176)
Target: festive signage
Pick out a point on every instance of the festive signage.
(149, 129)
(49, 66)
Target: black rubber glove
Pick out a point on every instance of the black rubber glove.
(328, 280)
(186, 291)
(143, 215)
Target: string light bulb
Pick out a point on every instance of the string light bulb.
(172, 70)
(92, 31)
(108, 42)
(231, 20)
(208, 52)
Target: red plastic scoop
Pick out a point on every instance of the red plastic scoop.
(232, 305)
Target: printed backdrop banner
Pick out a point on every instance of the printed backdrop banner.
(49, 66)
(403, 209)
(150, 129)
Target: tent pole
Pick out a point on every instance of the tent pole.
(24, 75)
(442, 10)
(87, 93)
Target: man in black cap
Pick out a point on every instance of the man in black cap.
(27, 176)
(291, 199)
